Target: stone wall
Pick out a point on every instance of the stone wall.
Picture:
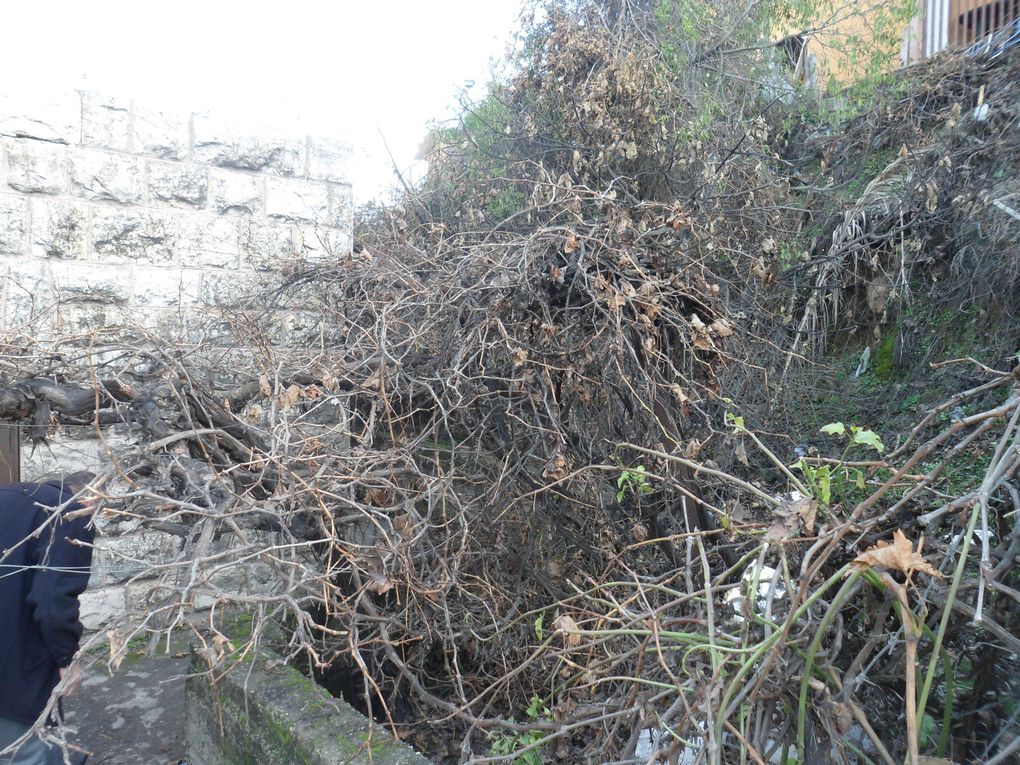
(119, 219)
(264, 711)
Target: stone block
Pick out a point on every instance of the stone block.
(120, 558)
(13, 224)
(27, 115)
(297, 201)
(160, 134)
(36, 167)
(178, 184)
(104, 322)
(147, 594)
(207, 241)
(166, 287)
(298, 327)
(341, 208)
(98, 175)
(262, 710)
(172, 324)
(101, 606)
(105, 122)
(91, 283)
(321, 243)
(126, 236)
(235, 192)
(240, 288)
(60, 229)
(329, 160)
(265, 244)
(29, 292)
(224, 145)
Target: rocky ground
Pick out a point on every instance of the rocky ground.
(134, 717)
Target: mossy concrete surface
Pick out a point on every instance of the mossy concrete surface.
(263, 711)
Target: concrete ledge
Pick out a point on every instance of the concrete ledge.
(263, 711)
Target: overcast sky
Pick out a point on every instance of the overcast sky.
(345, 69)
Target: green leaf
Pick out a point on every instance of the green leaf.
(540, 627)
(735, 420)
(859, 479)
(824, 479)
(927, 728)
(868, 438)
(834, 429)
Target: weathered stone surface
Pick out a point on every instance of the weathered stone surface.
(160, 134)
(297, 201)
(264, 711)
(178, 184)
(235, 193)
(124, 236)
(319, 242)
(265, 244)
(341, 208)
(36, 167)
(120, 558)
(101, 176)
(224, 145)
(329, 160)
(13, 224)
(105, 122)
(29, 292)
(75, 281)
(237, 290)
(166, 288)
(26, 115)
(60, 229)
(99, 607)
(104, 321)
(207, 241)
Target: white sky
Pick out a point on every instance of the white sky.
(341, 69)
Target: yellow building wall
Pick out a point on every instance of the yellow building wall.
(847, 40)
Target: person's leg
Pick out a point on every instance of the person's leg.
(34, 751)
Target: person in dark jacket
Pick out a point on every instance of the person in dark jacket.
(45, 563)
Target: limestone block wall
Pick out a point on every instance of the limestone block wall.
(119, 219)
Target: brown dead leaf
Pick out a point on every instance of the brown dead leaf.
(375, 568)
(264, 387)
(117, 643)
(291, 396)
(571, 244)
(519, 357)
(741, 454)
(565, 624)
(221, 644)
(793, 519)
(703, 342)
(721, 327)
(616, 300)
(899, 556)
(639, 532)
(678, 394)
(405, 525)
(556, 467)
(377, 496)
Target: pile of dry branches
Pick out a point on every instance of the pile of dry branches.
(486, 497)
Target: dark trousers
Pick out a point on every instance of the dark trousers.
(35, 751)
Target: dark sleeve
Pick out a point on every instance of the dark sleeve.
(63, 576)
